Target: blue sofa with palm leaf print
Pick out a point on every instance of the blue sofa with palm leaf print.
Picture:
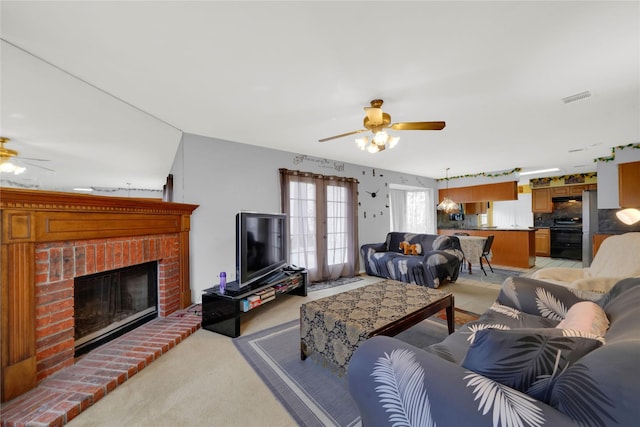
(513, 366)
(436, 263)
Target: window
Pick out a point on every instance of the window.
(337, 237)
(412, 210)
(322, 223)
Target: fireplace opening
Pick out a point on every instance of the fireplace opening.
(111, 303)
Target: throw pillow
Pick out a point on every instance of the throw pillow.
(587, 317)
(528, 359)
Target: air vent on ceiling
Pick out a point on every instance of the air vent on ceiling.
(577, 97)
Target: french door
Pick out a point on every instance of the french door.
(323, 230)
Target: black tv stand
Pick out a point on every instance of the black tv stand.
(221, 312)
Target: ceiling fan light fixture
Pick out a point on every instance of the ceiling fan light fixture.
(373, 148)
(8, 167)
(380, 138)
(362, 142)
(377, 121)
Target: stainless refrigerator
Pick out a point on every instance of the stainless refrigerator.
(589, 224)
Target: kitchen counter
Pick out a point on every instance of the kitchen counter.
(512, 247)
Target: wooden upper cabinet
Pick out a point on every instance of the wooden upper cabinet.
(629, 184)
(541, 200)
(568, 190)
(482, 193)
(559, 191)
(475, 208)
(576, 190)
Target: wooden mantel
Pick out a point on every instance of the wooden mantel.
(33, 217)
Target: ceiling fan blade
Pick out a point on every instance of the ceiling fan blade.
(341, 135)
(38, 166)
(418, 126)
(32, 159)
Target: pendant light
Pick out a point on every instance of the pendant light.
(447, 205)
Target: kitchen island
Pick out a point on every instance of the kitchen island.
(512, 247)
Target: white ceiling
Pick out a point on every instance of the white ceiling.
(103, 90)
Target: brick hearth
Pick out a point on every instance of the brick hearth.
(57, 264)
(61, 397)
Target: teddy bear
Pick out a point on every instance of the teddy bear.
(410, 249)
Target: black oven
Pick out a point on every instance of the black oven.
(566, 238)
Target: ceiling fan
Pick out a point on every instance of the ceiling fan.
(377, 121)
(6, 159)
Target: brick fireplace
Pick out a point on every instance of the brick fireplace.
(48, 239)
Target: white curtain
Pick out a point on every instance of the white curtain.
(398, 207)
(323, 223)
(302, 224)
(412, 210)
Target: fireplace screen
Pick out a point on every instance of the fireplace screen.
(111, 303)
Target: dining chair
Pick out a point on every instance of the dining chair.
(485, 252)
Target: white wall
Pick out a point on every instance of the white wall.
(224, 177)
(608, 177)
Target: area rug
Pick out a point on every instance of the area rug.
(315, 395)
(318, 286)
(496, 277)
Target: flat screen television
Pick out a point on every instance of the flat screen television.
(261, 245)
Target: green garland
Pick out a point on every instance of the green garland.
(490, 175)
(613, 152)
(542, 182)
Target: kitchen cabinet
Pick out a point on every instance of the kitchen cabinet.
(512, 248)
(576, 190)
(481, 193)
(629, 185)
(568, 190)
(475, 208)
(543, 242)
(559, 191)
(541, 200)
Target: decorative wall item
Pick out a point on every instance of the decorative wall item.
(321, 163)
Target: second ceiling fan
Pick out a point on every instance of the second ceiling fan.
(377, 121)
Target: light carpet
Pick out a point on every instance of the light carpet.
(320, 285)
(496, 277)
(316, 395)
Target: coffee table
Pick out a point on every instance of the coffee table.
(335, 326)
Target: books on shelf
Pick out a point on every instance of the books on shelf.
(257, 299)
(269, 294)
